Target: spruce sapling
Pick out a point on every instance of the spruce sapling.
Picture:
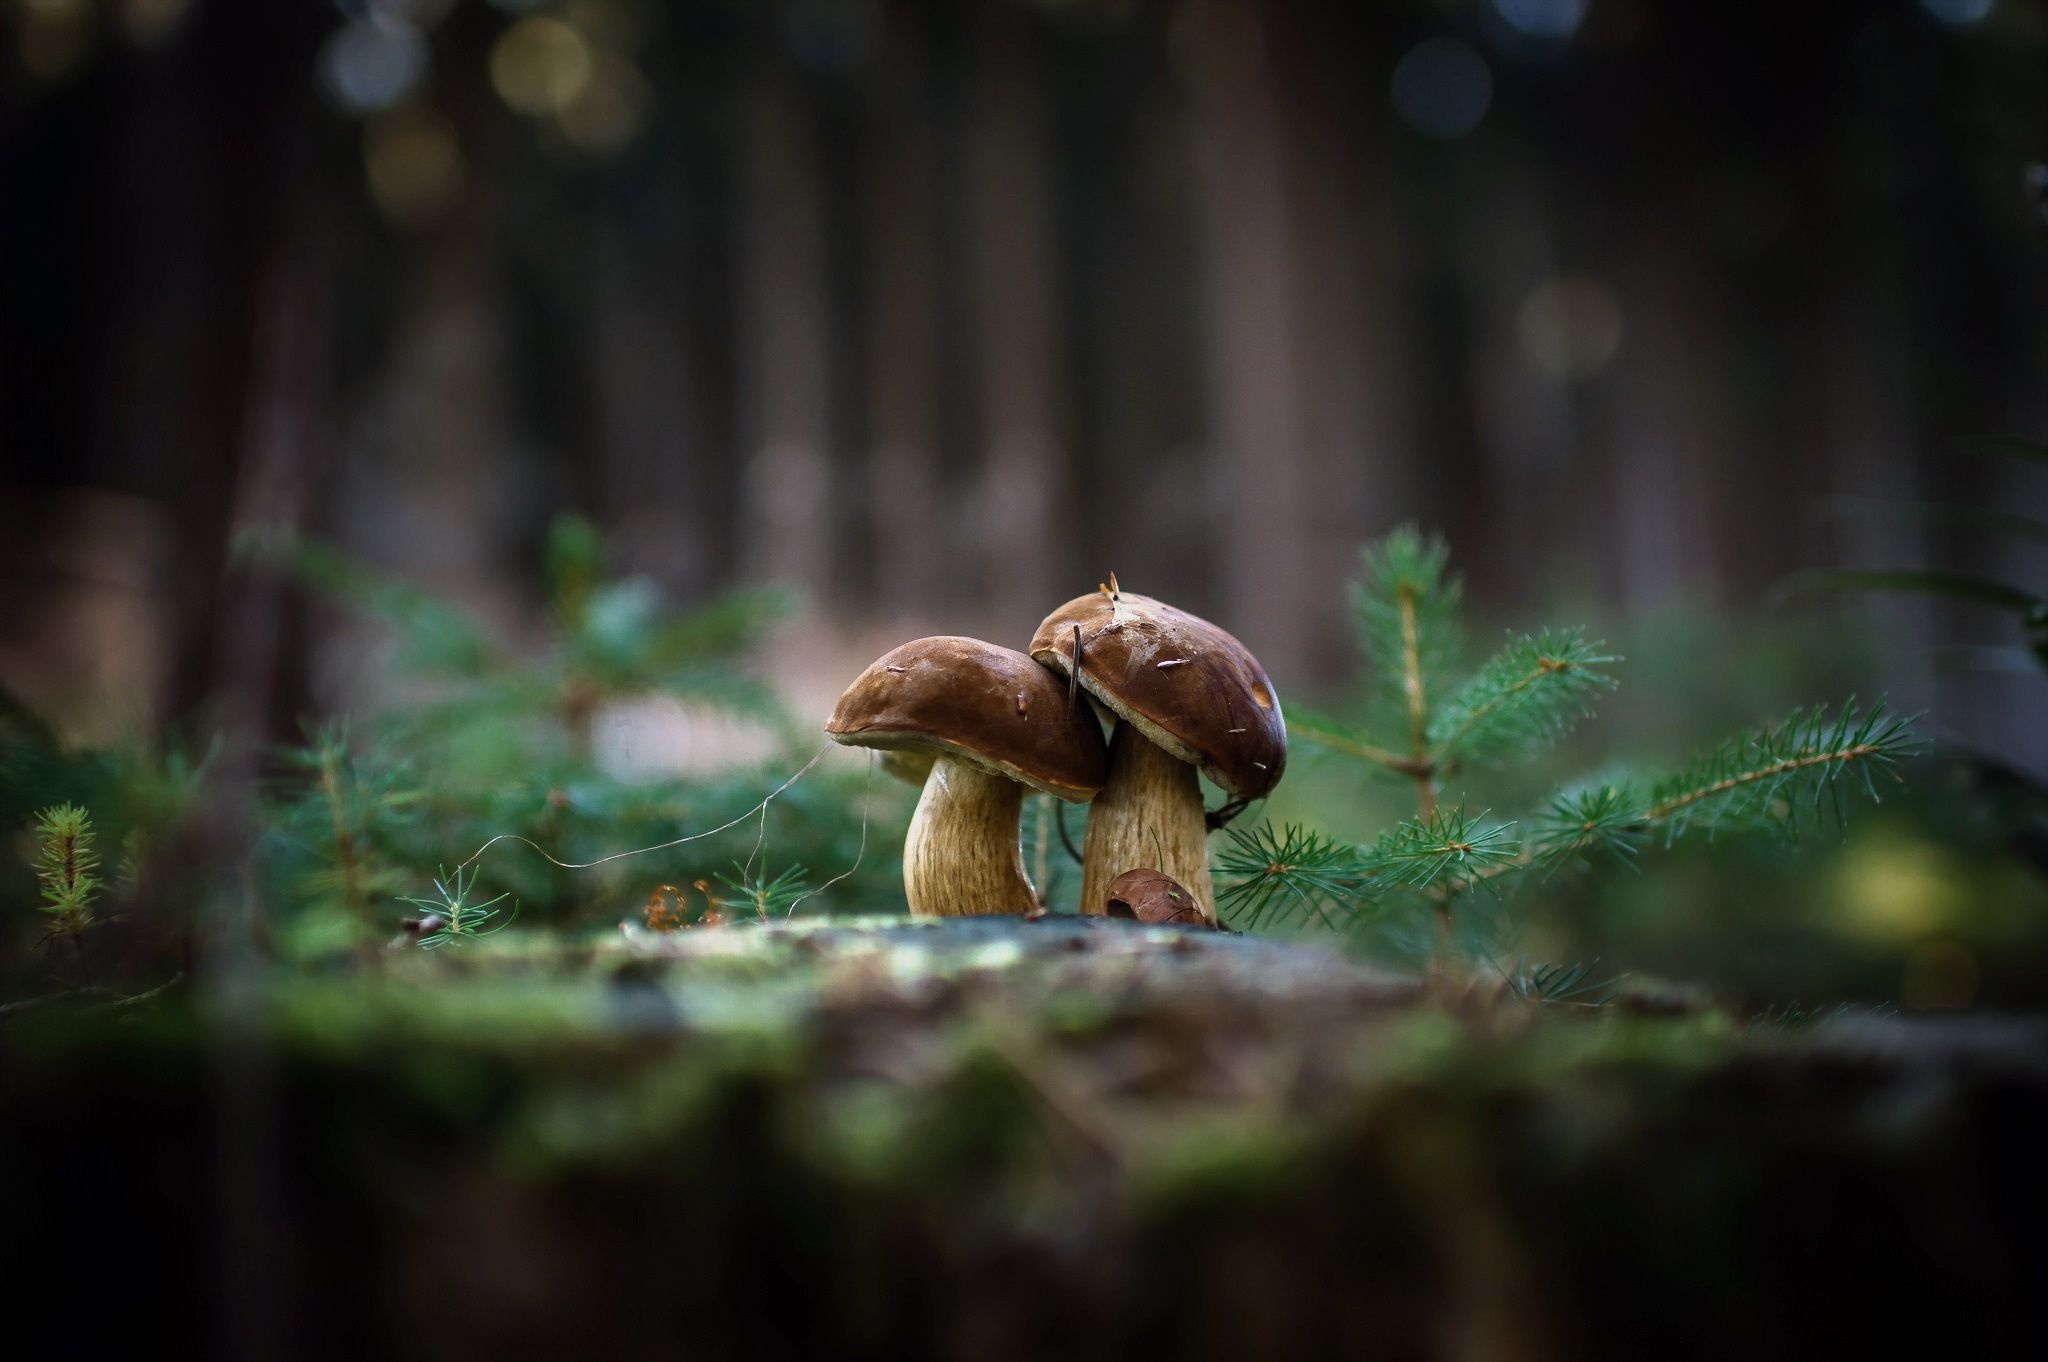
(1427, 722)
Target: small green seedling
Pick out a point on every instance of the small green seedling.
(449, 918)
(763, 895)
(67, 866)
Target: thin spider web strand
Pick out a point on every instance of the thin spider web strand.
(858, 855)
(761, 808)
(760, 840)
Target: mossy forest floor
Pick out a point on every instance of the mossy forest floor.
(998, 1139)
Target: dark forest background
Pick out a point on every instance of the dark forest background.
(938, 312)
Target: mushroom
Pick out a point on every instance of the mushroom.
(909, 767)
(1187, 696)
(994, 723)
(1148, 896)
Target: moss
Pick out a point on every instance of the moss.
(1214, 1159)
(915, 1128)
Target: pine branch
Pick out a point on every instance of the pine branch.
(338, 824)
(332, 754)
(1293, 872)
(1526, 696)
(723, 627)
(574, 564)
(1601, 820)
(1770, 779)
(1767, 775)
(67, 865)
(1557, 985)
(1350, 739)
(1446, 850)
(1407, 612)
(435, 637)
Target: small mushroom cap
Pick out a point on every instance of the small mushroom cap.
(1151, 896)
(1185, 684)
(991, 706)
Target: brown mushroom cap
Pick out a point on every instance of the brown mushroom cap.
(1151, 896)
(991, 706)
(1185, 684)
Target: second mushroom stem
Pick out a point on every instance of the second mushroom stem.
(961, 857)
(1149, 814)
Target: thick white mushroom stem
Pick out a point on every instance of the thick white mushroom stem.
(1148, 816)
(962, 858)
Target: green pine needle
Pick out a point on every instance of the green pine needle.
(1527, 696)
(1777, 777)
(1447, 850)
(67, 865)
(1600, 820)
(1294, 872)
(1796, 1016)
(1427, 725)
(1558, 985)
(436, 637)
(765, 896)
(1406, 606)
(1337, 736)
(453, 919)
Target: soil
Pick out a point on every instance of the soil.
(1005, 1139)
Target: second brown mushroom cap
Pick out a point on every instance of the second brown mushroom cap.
(1187, 696)
(994, 723)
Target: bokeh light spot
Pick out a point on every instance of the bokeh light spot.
(1442, 88)
(540, 66)
(372, 65)
(620, 25)
(1895, 890)
(1542, 18)
(413, 165)
(1569, 326)
(1959, 13)
(609, 109)
(55, 37)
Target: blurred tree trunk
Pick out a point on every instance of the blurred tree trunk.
(1254, 278)
(1137, 465)
(443, 447)
(1357, 450)
(1667, 499)
(211, 221)
(1537, 484)
(253, 327)
(649, 427)
(785, 364)
(906, 501)
(1017, 532)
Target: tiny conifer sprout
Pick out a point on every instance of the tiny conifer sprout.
(67, 865)
(994, 724)
(1189, 699)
